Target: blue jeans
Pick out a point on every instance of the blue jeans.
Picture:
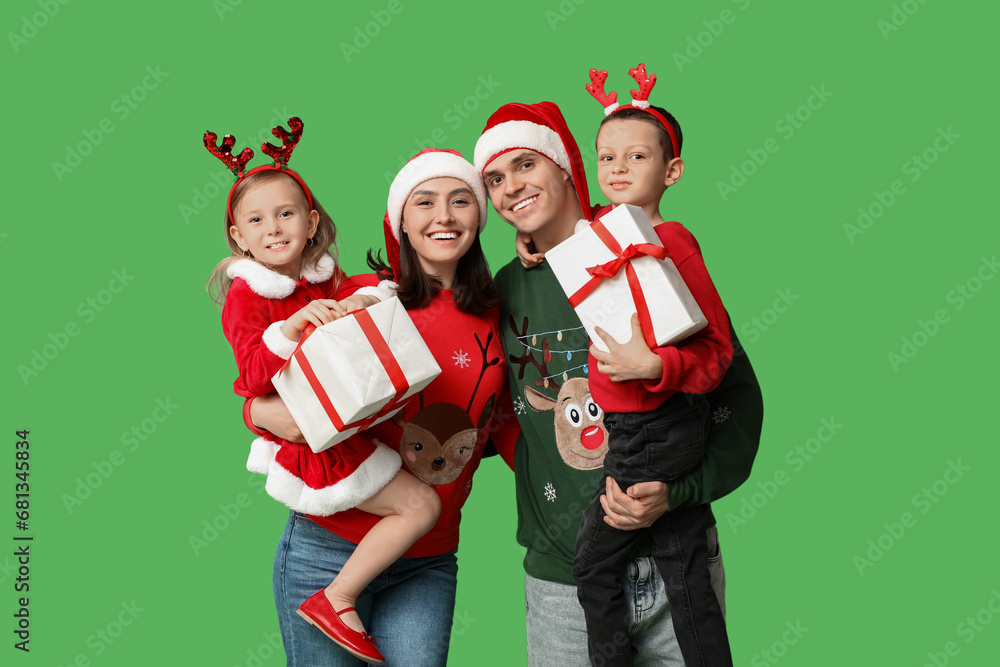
(408, 608)
(557, 629)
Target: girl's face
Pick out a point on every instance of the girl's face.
(273, 222)
(441, 217)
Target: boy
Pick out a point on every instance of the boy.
(656, 413)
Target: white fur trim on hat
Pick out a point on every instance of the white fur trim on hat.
(271, 284)
(364, 482)
(423, 168)
(521, 134)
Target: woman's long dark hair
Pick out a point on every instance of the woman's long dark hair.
(473, 286)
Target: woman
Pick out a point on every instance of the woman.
(436, 211)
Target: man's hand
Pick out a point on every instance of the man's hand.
(627, 361)
(524, 248)
(269, 413)
(644, 503)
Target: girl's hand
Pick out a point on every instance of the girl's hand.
(318, 313)
(627, 361)
(358, 301)
(524, 247)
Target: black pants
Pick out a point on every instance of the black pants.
(660, 445)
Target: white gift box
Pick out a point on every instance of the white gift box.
(350, 370)
(673, 310)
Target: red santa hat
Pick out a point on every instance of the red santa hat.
(538, 127)
(425, 165)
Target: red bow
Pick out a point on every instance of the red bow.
(610, 270)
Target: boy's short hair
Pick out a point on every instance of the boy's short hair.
(661, 132)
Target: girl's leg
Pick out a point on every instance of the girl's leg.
(309, 556)
(409, 509)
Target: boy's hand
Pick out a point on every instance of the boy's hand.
(358, 302)
(317, 312)
(627, 361)
(524, 248)
(640, 507)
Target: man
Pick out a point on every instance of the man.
(536, 182)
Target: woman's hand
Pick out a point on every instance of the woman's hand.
(524, 247)
(627, 361)
(269, 413)
(317, 312)
(358, 302)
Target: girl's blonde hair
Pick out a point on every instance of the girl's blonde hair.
(325, 239)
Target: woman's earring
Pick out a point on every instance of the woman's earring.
(310, 242)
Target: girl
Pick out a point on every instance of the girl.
(279, 279)
(436, 210)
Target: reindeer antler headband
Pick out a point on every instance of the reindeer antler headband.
(640, 98)
(237, 163)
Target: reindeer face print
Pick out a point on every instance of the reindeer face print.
(581, 439)
(439, 441)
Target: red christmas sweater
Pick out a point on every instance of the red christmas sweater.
(694, 365)
(441, 434)
(257, 303)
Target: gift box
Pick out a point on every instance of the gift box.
(354, 372)
(616, 266)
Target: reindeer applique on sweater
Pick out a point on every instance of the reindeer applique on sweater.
(440, 438)
(581, 438)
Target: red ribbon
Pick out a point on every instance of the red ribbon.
(385, 357)
(623, 258)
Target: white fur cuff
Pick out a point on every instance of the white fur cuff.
(276, 341)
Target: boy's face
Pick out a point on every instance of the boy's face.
(527, 189)
(630, 165)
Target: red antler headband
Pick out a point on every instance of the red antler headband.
(640, 98)
(280, 155)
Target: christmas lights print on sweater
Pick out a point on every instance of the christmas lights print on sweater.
(581, 438)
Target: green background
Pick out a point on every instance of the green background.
(140, 197)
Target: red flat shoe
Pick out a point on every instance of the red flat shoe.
(318, 611)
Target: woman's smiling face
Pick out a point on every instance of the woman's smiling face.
(441, 218)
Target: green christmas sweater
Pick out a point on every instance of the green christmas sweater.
(560, 453)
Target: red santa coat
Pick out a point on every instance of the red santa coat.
(467, 404)
(257, 304)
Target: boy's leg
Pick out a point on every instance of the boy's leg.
(653, 639)
(601, 555)
(680, 550)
